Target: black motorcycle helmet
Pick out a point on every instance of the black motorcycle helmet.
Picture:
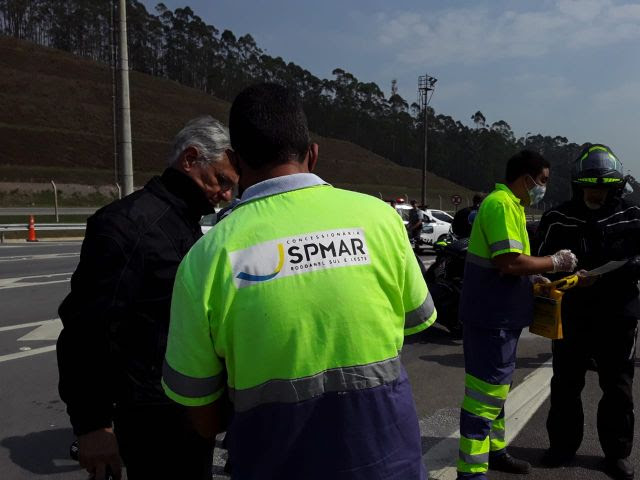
(597, 166)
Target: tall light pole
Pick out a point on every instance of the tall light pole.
(124, 142)
(426, 84)
(113, 61)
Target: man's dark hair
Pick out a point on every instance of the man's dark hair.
(526, 162)
(267, 125)
(478, 198)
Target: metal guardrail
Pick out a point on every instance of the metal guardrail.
(24, 227)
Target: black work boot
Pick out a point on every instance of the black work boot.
(506, 463)
(554, 459)
(619, 468)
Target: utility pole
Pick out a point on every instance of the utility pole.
(426, 84)
(113, 60)
(124, 142)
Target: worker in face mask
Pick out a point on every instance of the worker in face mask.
(600, 319)
(495, 305)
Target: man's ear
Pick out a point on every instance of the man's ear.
(188, 158)
(312, 157)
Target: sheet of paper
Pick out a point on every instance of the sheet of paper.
(606, 268)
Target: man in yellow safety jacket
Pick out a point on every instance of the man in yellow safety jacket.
(496, 304)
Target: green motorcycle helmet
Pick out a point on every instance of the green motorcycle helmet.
(598, 166)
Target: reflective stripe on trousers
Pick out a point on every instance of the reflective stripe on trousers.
(482, 425)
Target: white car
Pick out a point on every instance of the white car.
(435, 225)
(208, 221)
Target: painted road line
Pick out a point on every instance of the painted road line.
(527, 398)
(47, 331)
(40, 243)
(28, 353)
(522, 403)
(27, 325)
(49, 256)
(33, 280)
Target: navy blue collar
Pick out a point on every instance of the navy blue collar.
(274, 186)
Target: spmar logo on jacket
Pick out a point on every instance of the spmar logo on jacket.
(299, 254)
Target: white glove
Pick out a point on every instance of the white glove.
(564, 261)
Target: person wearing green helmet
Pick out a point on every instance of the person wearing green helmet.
(600, 319)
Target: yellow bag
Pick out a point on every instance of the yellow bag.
(547, 307)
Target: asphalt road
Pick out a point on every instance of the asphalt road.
(35, 433)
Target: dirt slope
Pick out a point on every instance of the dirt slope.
(55, 123)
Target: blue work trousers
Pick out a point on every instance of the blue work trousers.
(489, 360)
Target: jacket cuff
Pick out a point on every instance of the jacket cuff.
(88, 420)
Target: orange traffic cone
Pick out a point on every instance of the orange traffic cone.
(32, 230)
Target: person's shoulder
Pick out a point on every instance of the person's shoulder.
(497, 200)
(133, 212)
(626, 203)
(630, 209)
(360, 200)
(497, 196)
(566, 210)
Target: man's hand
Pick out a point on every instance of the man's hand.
(564, 261)
(584, 281)
(98, 450)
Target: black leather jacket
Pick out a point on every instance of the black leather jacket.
(116, 317)
(596, 237)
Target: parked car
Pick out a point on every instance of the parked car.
(440, 215)
(208, 221)
(435, 226)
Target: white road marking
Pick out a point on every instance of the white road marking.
(27, 325)
(522, 403)
(35, 351)
(47, 331)
(41, 243)
(48, 256)
(30, 281)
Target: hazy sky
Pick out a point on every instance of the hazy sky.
(556, 67)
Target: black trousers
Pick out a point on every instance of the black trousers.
(611, 342)
(158, 442)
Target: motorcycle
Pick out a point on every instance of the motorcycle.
(444, 279)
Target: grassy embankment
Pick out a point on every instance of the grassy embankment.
(55, 122)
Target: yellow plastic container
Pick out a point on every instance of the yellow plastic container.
(547, 307)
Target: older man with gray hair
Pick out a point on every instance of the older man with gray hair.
(116, 317)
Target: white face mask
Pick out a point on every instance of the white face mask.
(537, 192)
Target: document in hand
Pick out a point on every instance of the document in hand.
(606, 268)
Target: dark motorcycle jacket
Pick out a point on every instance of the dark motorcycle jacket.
(116, 318)
(595, 237)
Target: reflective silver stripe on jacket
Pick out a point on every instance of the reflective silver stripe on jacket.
(339, 379)
(191, 386)
(505, 244)
(420, 314)
(474, 459)
(484, 398)
(479, 261)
